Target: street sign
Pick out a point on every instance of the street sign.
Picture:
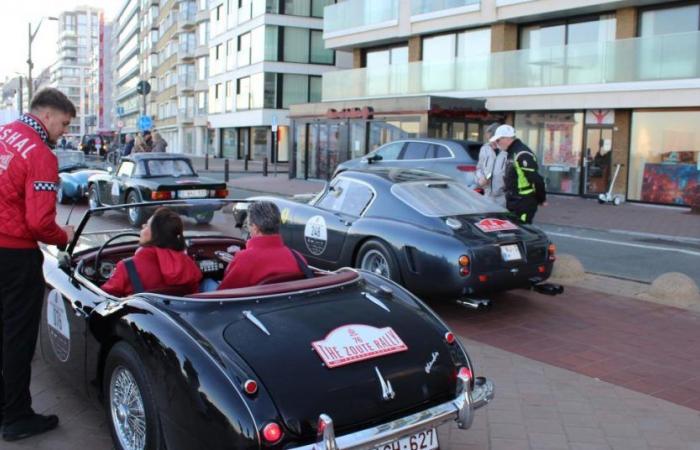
(145, 123)
(120, 111)
(274, 124)
(143, 87)
(120, 124)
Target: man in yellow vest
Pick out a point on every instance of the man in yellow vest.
(523, 184)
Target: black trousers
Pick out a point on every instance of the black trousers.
(524, 208)
(21, 298)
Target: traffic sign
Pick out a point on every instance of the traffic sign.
(145, 123)
(120, 124)
(274, 124)
(143, 87)
(120, 111)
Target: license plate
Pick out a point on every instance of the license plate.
(423, 440)
(510, 252)
(192, 193)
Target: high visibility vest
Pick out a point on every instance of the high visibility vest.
(524, 186)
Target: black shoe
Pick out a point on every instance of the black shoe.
(29, 426)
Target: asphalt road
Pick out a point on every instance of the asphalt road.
(634, 256)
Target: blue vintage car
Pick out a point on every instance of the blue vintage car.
(73, 174)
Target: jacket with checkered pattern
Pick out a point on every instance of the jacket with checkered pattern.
(28, 180)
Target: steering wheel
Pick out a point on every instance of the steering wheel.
(107, 242)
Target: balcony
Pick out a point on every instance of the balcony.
(187, 16)
(431, 9)
(657, 58)
(186, 84)
(185, 115)
(355, 16)
(186, 51)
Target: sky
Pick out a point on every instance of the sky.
(14, 29)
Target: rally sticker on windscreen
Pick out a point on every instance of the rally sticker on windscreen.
(59, 331)
(353, 343)
(493, 225)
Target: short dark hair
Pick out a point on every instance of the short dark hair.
(266, 216)
(167, 230)
(53, 98)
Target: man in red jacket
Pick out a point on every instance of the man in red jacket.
(265, 255)
(28, 177)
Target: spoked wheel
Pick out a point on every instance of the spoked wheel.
(130, 407)
(94, 199)
(137, 216)
(204, 218)
(375, 256)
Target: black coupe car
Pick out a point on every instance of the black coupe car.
(143, 177)
(343, 359)
(428, 232)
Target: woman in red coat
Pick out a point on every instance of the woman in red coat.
(161, 261)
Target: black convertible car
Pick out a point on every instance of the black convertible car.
(433, 235)
(143, 177)
(339, 360)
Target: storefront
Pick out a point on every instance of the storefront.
(255, 143)
(326, 134)
(665, 157)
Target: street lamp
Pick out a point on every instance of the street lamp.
(30, 64)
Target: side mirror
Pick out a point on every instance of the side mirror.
(365, 160)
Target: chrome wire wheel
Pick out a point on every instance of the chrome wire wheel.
(127, 410)
(374, 261)
(133, 215)
(92, 200)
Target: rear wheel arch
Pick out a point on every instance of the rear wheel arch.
(385, 247)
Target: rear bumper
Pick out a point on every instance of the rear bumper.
(508, 278)
(460, 410)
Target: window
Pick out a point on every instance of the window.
(315, 89)
(296, 47)
(317, 7)
(443, 198)
(415, 150)
(319, 54)
(388, 56)
(295, 89)
(230, 60)
(297, 7)
(440, 152)
(389, 152)
(125, 169)
(680, 19)
(243, 49)
(346, 196)
(229, 96)
(169, 168)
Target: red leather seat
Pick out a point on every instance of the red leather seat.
(282, 277)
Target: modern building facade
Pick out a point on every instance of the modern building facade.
(588, 84)
(126, 67)
(100, 86)
(264, 56)
(78, 40)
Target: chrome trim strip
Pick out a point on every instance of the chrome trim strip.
(249, 315)
(370, 438)
(376, 301)
(387, 390)
(325, 437)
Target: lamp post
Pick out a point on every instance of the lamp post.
(30, 64)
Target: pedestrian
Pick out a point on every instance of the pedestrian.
(491, 167)
(159, 144)
(128, 145)
(139, 144)
(524, 186)
(63, 143)
(28, 179)
(148, 139)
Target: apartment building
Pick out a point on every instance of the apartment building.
(78, 39)
(126, 63)
(588, 84)
(264, 56)
(100, 81)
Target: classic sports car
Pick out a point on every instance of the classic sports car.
(73, 174)
(144, 177)
(433, 235)
(342, 359)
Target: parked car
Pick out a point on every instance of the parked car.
(428, 232)
(73, 174)
(455, 159)
(97, 144)
(145, 177)
(344, 359)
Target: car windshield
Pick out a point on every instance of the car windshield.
(66, 159)
(169, 168)
(443, 198)
(100, 228)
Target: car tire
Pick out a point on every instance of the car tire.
(375, 256)
(203, 218)
(94, 199)
(129, 400)
(136, 216)
(61, 195)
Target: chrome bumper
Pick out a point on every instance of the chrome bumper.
(461, 410)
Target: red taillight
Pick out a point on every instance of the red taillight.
(466, 168)
(552, 252)
(464, 271)
(161, 195)
(221, 193)
(449, 337)
(250, 387)
(272, 433)
(541, 269)
(483, 278)
(465, 372)
(479, 190)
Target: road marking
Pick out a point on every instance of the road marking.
(626, 244)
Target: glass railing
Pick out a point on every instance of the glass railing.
(671, 56)
(186, 51)
(419, 7)
(358, 13)
(186, 81)
(187, 13)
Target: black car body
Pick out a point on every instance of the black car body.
(215, 370)
(144, 177)
(432, 234)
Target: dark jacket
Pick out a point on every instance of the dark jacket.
(128, 147)
(520, 155)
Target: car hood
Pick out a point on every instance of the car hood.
(303, 385)
(81, 175)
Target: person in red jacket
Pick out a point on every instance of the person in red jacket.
(160, 262)
(265, 255)
(28, 177)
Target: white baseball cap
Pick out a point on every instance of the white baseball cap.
(504, 131)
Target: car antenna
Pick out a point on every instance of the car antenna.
(75, 202)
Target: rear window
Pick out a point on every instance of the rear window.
(169, 167)
(416, 150)
(471, 147)
(443, 198)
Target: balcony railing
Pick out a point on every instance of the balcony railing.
(186, 82)
(187, 14)
(185, 51)
(419, 7)
(356, 15)
(664, 57)
(185, 114)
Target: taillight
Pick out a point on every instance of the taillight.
(250, 387)
(465, 374)
(272, 433)
(450, 337)
(466, 168)
(221, 193)
(552, 252)
(483, 278)
(464, 265)
(161, 195)
(541, 269)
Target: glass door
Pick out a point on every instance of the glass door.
(597, 160)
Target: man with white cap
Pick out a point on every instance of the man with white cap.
(523, 184)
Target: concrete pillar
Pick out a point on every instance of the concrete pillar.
(621, 148)
(357, 59)
(626, 23)
(415, 48)
(180, 144)
(199, 141)
(504, 37)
